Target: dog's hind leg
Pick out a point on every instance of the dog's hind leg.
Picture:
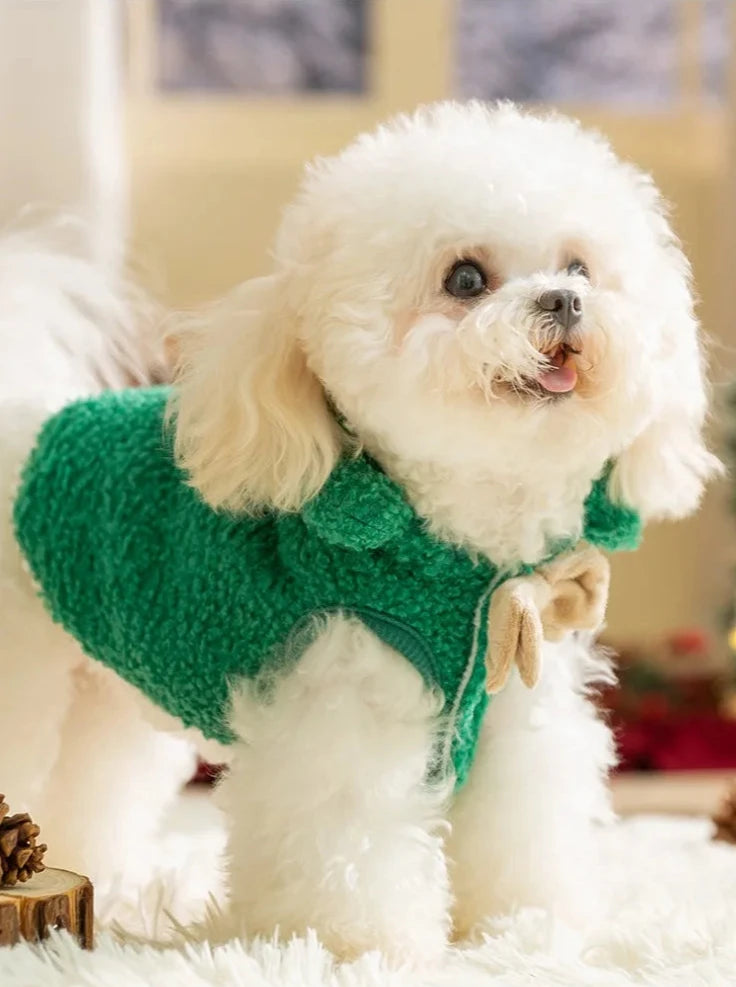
(37, 658)
(114, 777)
(333, 824)
(36, 687)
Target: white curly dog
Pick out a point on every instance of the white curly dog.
(498, 307)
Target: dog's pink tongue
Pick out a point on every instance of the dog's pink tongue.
(563, 375)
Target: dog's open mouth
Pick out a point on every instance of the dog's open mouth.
(562, 374)
(556, 378)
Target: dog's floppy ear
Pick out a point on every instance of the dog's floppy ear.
(663, 471)
(252, 426)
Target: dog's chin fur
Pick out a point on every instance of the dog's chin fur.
(332, 823)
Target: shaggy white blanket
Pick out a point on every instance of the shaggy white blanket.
(673, 924)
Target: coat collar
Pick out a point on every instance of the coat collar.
(362, 508)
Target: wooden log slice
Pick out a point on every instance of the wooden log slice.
(53, 899)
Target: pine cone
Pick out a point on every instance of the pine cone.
(20, 858)
(725, 818)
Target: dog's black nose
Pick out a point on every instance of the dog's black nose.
(565, 305)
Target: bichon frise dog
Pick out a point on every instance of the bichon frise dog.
(477, 346)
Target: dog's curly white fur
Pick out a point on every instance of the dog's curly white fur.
(333, 823)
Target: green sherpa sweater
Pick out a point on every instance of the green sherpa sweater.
(182, 600)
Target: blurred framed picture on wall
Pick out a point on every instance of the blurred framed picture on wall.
(265, 47)
(574, 52)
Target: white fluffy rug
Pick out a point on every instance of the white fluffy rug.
(673, 925)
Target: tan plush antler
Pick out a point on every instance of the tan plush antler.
(570, 593)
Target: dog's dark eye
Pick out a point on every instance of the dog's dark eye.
(578, 267)
(466, 280)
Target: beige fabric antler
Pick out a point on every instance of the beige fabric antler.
(570, 593)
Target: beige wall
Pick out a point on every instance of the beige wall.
(61, 114)
(210, 177)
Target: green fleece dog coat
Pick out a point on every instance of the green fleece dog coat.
(182, 601)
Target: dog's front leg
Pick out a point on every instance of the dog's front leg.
(333, 826)
(523, 827)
